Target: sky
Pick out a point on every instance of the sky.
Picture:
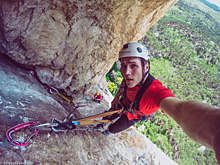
(216, 2)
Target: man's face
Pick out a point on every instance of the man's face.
(131, 70)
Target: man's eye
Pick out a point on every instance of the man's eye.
(123, 66)
(133, 66)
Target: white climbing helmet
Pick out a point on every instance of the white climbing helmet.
(134, 49)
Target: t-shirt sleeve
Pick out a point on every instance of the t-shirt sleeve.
(160, 92)
(151, 99)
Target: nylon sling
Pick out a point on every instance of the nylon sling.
(136, 102)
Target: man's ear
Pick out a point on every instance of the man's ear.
(146, 66)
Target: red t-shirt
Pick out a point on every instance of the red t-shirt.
(150, 100)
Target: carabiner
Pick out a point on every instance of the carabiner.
(18, 127)
(52, 88)
(64, 126)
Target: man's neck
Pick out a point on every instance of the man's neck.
(139, 84)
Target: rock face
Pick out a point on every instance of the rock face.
(23, 99)
(72, 44)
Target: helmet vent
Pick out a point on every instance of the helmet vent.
(139, 49)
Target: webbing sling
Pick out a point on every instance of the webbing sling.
(135, 104)
(141, 91)
(88, 121)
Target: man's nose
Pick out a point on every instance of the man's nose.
(128, 71)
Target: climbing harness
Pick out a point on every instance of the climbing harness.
(134, 106)
(56, 125)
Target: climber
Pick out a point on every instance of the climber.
(98, 97)
(200, 121)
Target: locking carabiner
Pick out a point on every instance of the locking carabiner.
(18, 127)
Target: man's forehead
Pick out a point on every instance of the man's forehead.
(130, 60)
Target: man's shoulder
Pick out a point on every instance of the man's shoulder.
(156, 87)
(156, 84)
(156, 92)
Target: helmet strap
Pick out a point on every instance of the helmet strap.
(143, 72)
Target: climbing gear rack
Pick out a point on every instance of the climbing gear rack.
(87, 123)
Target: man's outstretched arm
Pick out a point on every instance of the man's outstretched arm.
(200, 121)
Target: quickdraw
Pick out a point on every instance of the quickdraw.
(59, 126)
(16, 128)
(58, 93)
(53, 90)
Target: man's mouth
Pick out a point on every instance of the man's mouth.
(129, 79)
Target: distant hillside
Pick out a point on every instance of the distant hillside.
(185, 55)
(198, 4)
(211, 5)
(194, 16)
(190, 39)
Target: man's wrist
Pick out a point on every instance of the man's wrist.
(217, 146)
